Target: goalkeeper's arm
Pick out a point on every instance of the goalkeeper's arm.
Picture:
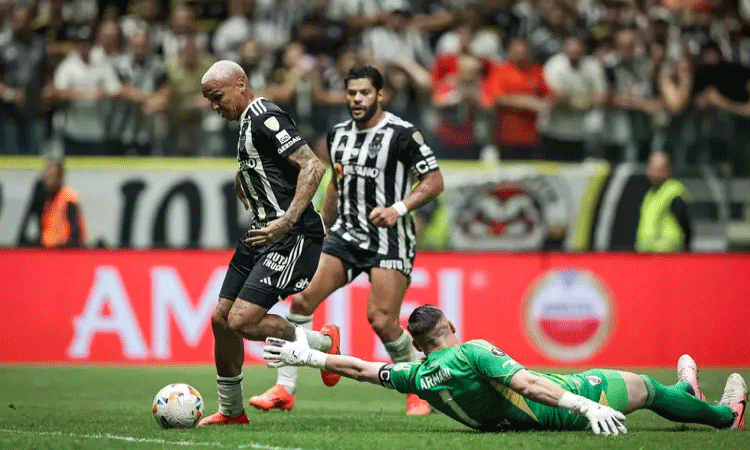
(603, 419)
(282, 352)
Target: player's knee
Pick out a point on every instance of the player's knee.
(236, 323)
(302, 304)
(219, 319)
(381, 322)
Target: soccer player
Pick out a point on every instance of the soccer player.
(480, 386)
(278, 175)
(375, 157)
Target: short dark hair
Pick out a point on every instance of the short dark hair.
(423, 320)
(357, 72)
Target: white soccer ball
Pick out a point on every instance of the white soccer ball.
(178, 405)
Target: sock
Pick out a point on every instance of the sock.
(287, 375)
(401, 349)
(678, 405)
(230, 395)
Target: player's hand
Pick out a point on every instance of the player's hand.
(263, 236)
(384, 217)
(240, 192)
(604, 420)
(284, 353)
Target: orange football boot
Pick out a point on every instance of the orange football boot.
(277, 397)
(332, 331)
(220, 419)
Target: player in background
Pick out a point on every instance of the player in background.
(480, 386)
(376, 158)
(277, 176)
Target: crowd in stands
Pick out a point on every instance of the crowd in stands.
(532, 79)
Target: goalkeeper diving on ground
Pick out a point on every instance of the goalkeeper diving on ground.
(482, 387)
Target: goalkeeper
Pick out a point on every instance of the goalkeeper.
(480, 386)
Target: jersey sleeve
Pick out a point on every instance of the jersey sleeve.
(416, 154)
(279, 131)
(490, 361)
(399, 376)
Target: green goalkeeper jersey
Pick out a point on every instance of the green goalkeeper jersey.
(470, 383)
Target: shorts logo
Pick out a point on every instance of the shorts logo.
(266, 280)
(593, 380)
(275, 261)
(283, 136)
(568, 314)
(395, 264)
(302, 284)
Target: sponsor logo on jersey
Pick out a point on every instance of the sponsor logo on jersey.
(283, 136)
(294, 140)
(568, 314)
(497, 352)
(441, 376)
(272, 124)
(275, 261)
(360, 171)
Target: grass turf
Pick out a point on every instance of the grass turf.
(84, 407)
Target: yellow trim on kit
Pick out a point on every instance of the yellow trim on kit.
(603, 399)
(582, 233)
(515, 398)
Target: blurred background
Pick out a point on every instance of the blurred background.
(553, 121)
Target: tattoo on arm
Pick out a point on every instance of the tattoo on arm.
(311, 171)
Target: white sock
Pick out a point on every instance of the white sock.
(230, 395)
(401, 349)
(287, 375)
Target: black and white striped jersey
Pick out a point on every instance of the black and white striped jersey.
(267, 136)
(377, 167)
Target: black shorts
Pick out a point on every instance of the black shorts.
(265, 275)
(357, 260)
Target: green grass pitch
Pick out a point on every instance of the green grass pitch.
(85, 407)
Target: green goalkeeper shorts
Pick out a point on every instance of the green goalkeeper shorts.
(603, 386)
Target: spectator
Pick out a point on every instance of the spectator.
(631, 98)
(578, 88)
(255, 66)
(24, 87)
(517, 93)
(396, 41)
(144, 19)
(181, 31)
(234, 31)
(482, 43)
(61, 222)
(108, 42)
(319, 34)
(188, 107)
(328, 91)
(85, 87)
(358, 14)
(548, 38)
(664, 223)
(402, 96)
(457, 101)
(144, 93)
(290, 86)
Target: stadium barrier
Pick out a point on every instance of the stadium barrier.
(577, 310)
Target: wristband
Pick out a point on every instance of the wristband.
(571, 401)
(400, 208)
(316, 359)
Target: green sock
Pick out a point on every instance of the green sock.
(678, 405)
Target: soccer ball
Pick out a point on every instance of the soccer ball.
(178, 405)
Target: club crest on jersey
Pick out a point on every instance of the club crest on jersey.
(272, 124)
(418, 138)
(375, 145)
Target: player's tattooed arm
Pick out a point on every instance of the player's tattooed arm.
(429, 186)
(311, 171)
(330, 202)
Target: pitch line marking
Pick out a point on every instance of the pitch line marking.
(145, 440)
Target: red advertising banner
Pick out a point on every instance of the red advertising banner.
(578, 310)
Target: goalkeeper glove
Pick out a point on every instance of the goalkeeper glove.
(297, 353)
(603, 419)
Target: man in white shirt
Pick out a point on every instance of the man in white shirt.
(85, 86)
(578, 89)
